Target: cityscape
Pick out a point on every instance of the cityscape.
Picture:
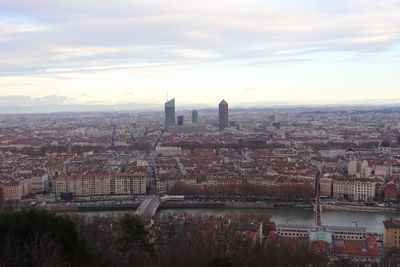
(212, 133)
(344, 161)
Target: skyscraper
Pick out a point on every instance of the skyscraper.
(223, 115)
(180, 120)
(195, 116)
(170, 113)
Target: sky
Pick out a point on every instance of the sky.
(249, 52)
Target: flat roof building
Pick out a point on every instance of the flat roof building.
(195, 116)
(170, 113)
(223, 115)
(180, 120)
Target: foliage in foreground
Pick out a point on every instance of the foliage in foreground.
(43, 239)
(39, 239)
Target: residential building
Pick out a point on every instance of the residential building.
(391, 234)
(391, 191)
(352, 168)
(326, 186)
(356, 189)
(12, 192)
(102, 184)
(130, 184)
(39, 184)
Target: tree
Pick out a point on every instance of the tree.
(37, 238)
(133, 235)
(222, 262)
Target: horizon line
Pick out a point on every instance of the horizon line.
(99, 108)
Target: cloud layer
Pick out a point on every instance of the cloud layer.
(58, 36)
(50, 38)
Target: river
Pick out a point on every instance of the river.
(370, 220)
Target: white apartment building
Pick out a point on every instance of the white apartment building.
(39, 184)
(129, 184)
(20, 189)
(364, 190)
(102, 185)
(357, 189)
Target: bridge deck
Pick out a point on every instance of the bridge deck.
(148, 208)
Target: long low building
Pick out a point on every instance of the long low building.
(340, 232)
(348, 243)
(117, 184)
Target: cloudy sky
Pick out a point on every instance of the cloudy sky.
(199, 51)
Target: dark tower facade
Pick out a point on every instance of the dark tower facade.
(180, 120)
(223, 115)
(195, 116)
(170, 113)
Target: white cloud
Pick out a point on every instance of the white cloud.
(12, 26)
(141, 38)
(16, 100)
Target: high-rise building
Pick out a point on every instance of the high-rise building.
(195, 116)
(223, 115)
(170, 113)
(180, 120)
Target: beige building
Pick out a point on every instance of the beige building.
(39, 184)
(16, 191)
(365, 169)
(78, 185)
(352, 167)
(355, 189)
(343, 189)
(364, 190)
(325, 184)
(103, 185)
(391, 234)
(129, 184)
(12, 192)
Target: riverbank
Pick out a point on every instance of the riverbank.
(280, 213)
(338, 207)
(93, 206)
(276, 205)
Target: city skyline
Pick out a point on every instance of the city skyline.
(200, 133)
(254, 53)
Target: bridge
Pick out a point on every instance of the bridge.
(148, 207)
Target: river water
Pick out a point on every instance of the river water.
(372, 221)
